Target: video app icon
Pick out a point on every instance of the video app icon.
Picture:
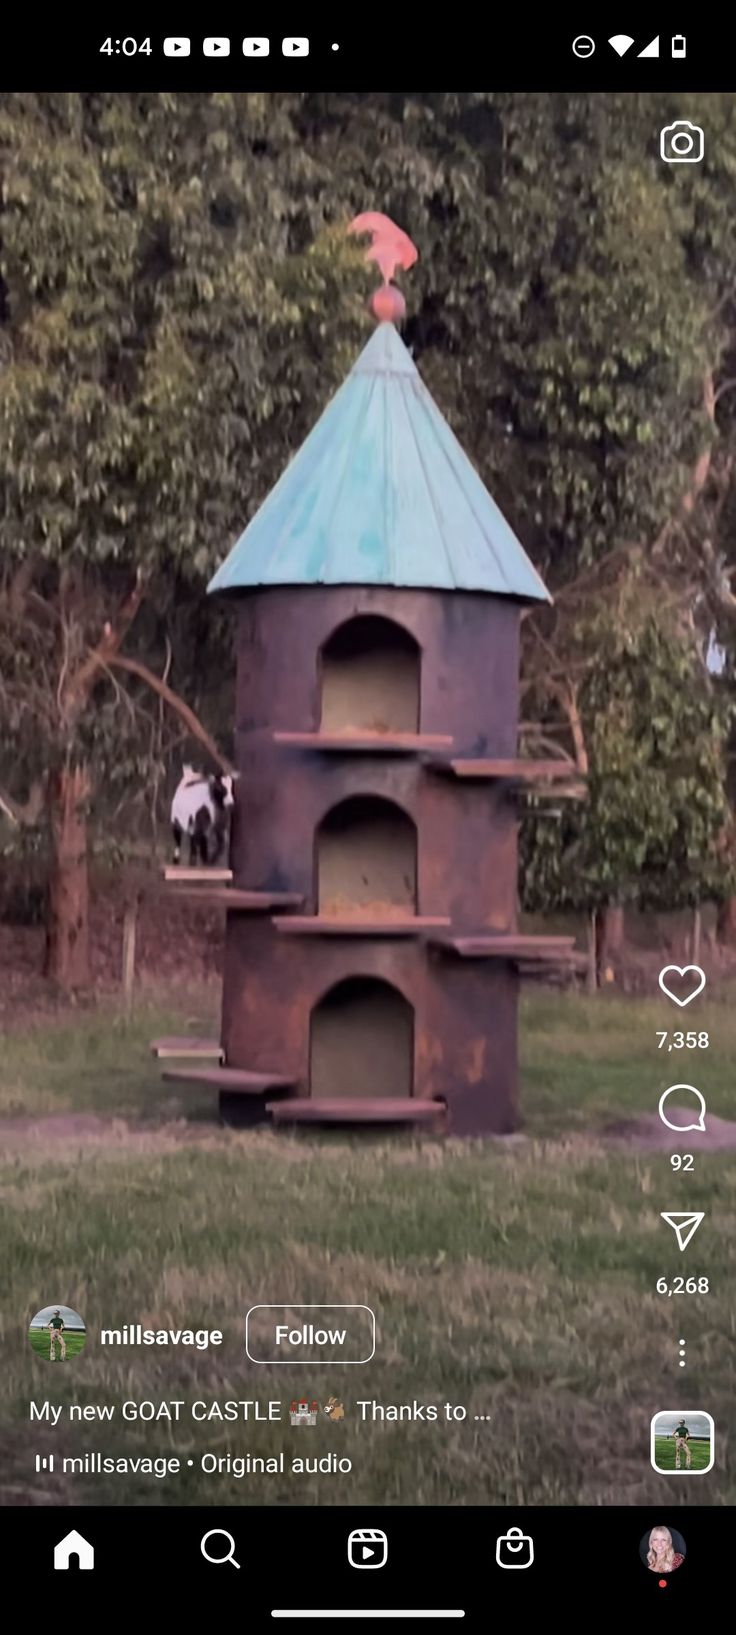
(367, 1547)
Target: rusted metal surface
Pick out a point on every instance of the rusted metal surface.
(464, 1050)
(464, 1014)
(468, 691)
(469, 643)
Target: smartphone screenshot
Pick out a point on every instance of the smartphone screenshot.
(367, 831)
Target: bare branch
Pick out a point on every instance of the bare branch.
(175, 703)
(530, 731)
(83, 679)
(725, 386)
(27, 813)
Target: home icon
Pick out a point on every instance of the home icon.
(74, 1548)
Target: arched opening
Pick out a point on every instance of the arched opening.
(367, 860)
(362, 1041)
(370, 678)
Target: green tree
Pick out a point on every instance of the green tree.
(655, 723)
(178, 299)
(148, 293)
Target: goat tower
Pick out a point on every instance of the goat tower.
(372, 959)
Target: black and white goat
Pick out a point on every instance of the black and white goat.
(199, 809)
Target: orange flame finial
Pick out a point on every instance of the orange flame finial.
(389, 248)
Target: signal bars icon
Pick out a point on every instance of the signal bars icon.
(621, 43)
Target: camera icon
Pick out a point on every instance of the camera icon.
(681, 143)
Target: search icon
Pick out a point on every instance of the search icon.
(219, 1561)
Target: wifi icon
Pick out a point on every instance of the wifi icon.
(621, 43)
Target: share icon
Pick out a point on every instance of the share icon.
(684, 1224)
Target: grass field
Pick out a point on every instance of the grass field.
(516, 1277)
(664, 1454)
(40, 1340)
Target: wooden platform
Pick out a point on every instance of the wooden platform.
(538, 950)
(228, 1078)
(207, 876)
(363, 1110)
(329, 925)
(365, 743)
(515, 771)
(253, 902)
(173, 1047)
(551, 970)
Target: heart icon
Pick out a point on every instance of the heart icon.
(697, 982)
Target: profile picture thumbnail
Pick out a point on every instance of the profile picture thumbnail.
(682, 1443)
(57, 1333)
(663, 1549)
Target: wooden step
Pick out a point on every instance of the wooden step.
(508, 946)
(355, 1110)
(517, 771)
(174, 1046)
(229, 897)
(228, 1078)
(366, 743)
(528, 797)
(208, 876)
(330, 925)
(574, 962)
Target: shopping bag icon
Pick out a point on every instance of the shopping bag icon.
(514, 1549)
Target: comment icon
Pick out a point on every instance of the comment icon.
(677, 1117)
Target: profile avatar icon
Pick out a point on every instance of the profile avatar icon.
(57, 1333)
(663, 1550)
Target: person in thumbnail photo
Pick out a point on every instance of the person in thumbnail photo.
(681, 1437)
(57, 1333)
(55, 1327)
(662, 1556)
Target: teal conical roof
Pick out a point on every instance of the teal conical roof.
(381, 493)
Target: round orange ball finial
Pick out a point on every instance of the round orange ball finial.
(388, 305)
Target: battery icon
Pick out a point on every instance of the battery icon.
(679, 45)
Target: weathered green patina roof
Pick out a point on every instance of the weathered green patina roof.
(381, 493)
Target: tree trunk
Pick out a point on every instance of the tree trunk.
(67, 929)
(726, 923)
(696, 935)
(609, 938)
(128, 973)
(591, 968)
